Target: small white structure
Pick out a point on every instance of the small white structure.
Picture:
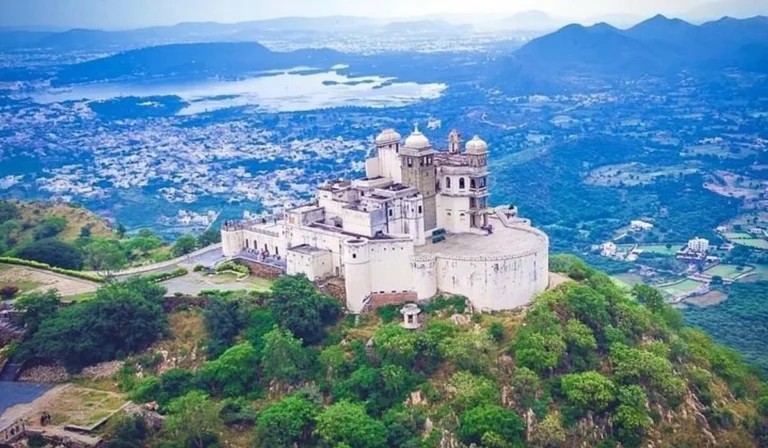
(640, 226)
(608, 249)
(417, 225)
(410, 314)
(699, 245)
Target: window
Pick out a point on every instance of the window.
(472, 184)
(447, 182)
(409, 162)
(462, 184)
(391, 212)
(354, 255)
(420, 210)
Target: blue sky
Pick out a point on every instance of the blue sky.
(135, 13)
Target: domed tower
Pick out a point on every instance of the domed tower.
(417, 164)
(477, 152)
(477, 155)
(454, 142)
(357, 274)
(388, 150)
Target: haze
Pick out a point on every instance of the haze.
(111, 14)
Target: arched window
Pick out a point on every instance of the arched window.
(462, 184)
(472, 183)
(447, 182)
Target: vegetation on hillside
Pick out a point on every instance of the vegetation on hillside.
(70, 237)
(588, 364)
(741, 322)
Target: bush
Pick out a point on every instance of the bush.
(478, 423)
(163, 276)
(52, 252)
(496, 331)
(47, 267)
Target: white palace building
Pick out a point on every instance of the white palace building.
(418, 225)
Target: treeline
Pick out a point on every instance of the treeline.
(741, 322)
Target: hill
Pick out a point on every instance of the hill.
(656, 46)
(192, 60)
(587, 364)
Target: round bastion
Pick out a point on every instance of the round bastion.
(498, 271)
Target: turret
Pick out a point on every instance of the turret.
(454, 142)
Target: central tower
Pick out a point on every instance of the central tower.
(418, 169)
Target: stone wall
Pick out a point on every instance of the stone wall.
(261, 270)
(334, 288)
(394, 298)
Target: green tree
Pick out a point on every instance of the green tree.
(348, 423)
(471, 351)
(104, 255)
(123, 317)
(186, 244)
(334, 360)
(233, 373)
(631, 417)
(298, 307)
(527, 387)
(53, 252)
(8, 211)
(209, 237)
(120, 230)
(283, 358)
(588, 391)
(539, 351)
(35, 307)
(549, 433)
(479, 421)
(496, 331)
(194, 420)
(286, 423)
(143, 244)
(224, 322)
(469, 391)
(395, 345)
(50, 227)
(649, 296)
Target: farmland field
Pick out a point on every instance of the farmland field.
(727, 270)
(681, 288)
(737, 235)
(661, 249)
(753, 242)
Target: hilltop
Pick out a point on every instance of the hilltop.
(586, 364)
(658, 45)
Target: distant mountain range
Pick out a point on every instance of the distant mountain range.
(656, 46)
(739, 9)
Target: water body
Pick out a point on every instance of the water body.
(299, 89)
(13, 393)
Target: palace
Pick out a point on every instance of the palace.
(417, 225)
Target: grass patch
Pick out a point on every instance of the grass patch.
(753, 242)
(681, 288)
(260, 284)
(83, 407)
(661, 249)
(727, 270)
(737, 236)
(80, 297)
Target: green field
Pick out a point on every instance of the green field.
(727, 271)
(753, 242)
(737, 236)
(682, 288)
(661, 249)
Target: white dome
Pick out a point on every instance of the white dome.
(477, 146)
(417, 140)
(388, 136)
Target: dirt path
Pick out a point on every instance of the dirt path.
(45, 280)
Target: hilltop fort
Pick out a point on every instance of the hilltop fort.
(418, 224)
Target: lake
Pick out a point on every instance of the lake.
(298, 89)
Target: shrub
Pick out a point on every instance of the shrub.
(163, 276)
(477, 423)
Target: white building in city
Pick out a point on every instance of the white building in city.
(699, 245)
(640, 226)
(608, 249)
(417, 225)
